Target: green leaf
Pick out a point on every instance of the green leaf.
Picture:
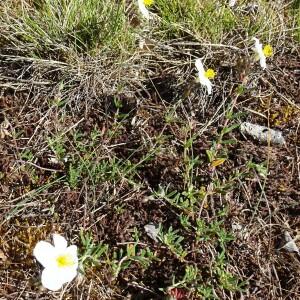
(229, 129)
(228, 142)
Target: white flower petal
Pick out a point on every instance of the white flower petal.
(72, 250)
(199, 65)
(144, 11)
(45, 253)
(209, 87)
(201, 73)
(259, 51)
(205, 81)
(51, 279)
(262, 61)
(67, 274)
(59, 241)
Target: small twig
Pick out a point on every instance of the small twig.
(26, 81)
(22, 58)
(207, 44)
(37, 166)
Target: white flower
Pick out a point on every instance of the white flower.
(205, 75)
(232, 3)
(60, 262)
(260, 53)
(143, 9)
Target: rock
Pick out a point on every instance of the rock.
(262, 133)
(152, 231)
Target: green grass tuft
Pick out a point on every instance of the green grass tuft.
(84, 26)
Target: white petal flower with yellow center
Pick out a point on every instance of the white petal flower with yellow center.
(262, 53)
(60, 262)
(204, 76)
(143, 8)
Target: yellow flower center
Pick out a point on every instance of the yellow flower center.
(210, 74)
(268, 50)
(148, 2)
(65, 260)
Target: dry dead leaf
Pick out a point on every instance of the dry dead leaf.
(218, 162)
(4, 129)
(152, 231)
(3, 257)
(290, 244)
